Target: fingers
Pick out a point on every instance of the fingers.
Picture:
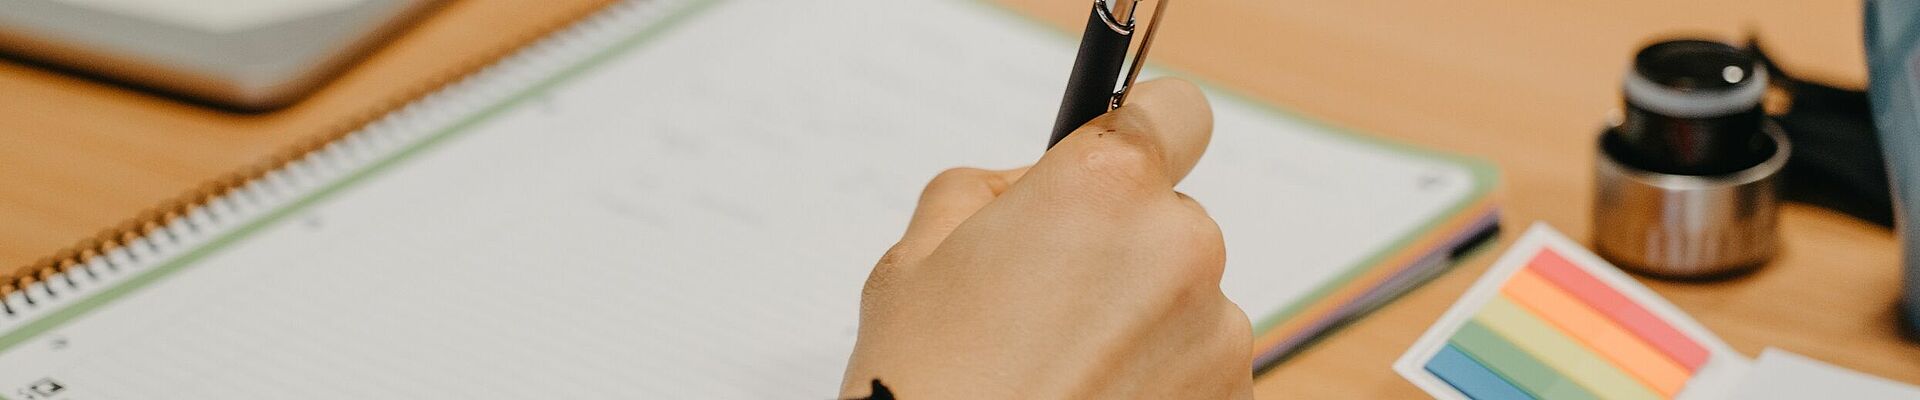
(1144, 147)
(948, 200)
(1241, 351)
(1190, 203)
(1148, 145)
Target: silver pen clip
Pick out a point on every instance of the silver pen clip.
(1139, 56)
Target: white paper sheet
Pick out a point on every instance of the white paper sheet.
(1782, 375)
(692, 218)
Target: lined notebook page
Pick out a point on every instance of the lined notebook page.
(692, 218)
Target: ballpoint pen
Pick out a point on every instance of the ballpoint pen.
(1096, 68)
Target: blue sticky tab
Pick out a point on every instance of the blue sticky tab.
(1471, 378)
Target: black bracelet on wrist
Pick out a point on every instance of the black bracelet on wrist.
(879, 392)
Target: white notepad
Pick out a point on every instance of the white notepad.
(666, 201)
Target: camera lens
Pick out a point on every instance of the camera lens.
(1693, 108)
(1695, 65)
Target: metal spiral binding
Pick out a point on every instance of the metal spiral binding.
(215, 207)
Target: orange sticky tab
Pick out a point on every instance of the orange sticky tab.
(1617, 307)
(1638, 358)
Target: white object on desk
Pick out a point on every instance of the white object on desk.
(1782, 375)
(245, 54)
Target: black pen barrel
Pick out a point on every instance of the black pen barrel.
(1096, 71)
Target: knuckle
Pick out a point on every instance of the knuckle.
(966, 180)
(1238, 325)
(954, 176)
(1191, 203)
(959, 174)
(886, 271)
(894, 256)
(1202, 245)
(1207, 236)
(1236, 332)
(1125, 160)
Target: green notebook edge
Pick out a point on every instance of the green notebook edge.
(1484, 173)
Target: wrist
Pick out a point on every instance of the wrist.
(875, 391)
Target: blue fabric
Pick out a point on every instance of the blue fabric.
(1893, 71)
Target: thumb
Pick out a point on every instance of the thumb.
(1146, 146)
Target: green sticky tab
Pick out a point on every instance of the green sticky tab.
(1554, 349)
(1516, 365)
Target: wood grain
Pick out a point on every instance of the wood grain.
(1526, 84)
(78, 156)
(1522, 83)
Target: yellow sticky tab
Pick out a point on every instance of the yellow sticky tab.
(1601, 335)
(1561, 352)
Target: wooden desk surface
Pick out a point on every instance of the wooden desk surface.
(1523, 83)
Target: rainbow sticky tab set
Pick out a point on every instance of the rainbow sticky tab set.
(1550, 320)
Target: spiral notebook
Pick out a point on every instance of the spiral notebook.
(664, 201)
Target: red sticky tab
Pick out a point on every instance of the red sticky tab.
(1616, 306)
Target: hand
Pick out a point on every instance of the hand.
(1084, 276)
